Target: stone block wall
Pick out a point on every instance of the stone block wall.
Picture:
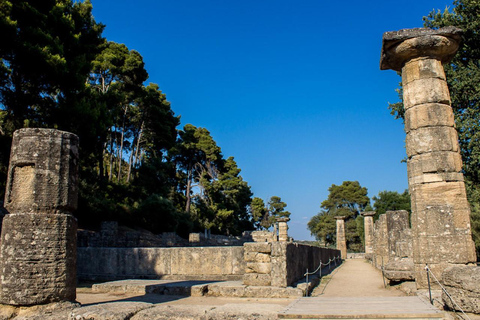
(186, 263)
(113, 235)
(281, 264)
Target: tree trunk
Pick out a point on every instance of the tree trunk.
(187, 192)
(120, 151)
(135, 162)
(110, 170)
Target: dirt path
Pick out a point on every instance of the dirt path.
(355, 278)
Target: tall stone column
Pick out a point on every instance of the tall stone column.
(341, 239)
(283, 229)
(368, 228)
(38, 246)
(440, 211)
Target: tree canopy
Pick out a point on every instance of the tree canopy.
(348, 199)
(391, 200)
(57, 71)
(266, 215)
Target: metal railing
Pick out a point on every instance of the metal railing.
(429, 272)
(319, 270)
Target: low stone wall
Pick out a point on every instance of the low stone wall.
(199, 263)
(281, 264)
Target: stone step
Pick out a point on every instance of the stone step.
(164, 287)
(234, 289)
(362, 308)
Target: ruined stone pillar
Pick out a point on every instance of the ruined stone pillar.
(38, 240)
(368, 228)
(341, 239)
(283, 228)
(440, 211)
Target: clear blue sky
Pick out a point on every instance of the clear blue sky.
(291, 89)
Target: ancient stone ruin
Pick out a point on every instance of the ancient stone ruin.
(368, 227)
(393, 246)
(341, 239)
(283, 228)
(38, 246)
(440, 212)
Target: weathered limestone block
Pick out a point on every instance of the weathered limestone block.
(262, 247)
(38, 259)
(255, 279)
(259, 267)
(192, 261)
(194, 237)
(432, 139)
(263, 236)
(257, 257)
(423, 69)
(400, 270)
(404, 246)
(423, 91)
(380, 247)
(397, 229)
(428, 114)
(463, 284)
(428, 163)
(43, 171)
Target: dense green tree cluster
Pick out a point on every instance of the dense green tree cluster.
(266, 215)
(463, 78)
(349, 200)
(390, 201)
(57, 71)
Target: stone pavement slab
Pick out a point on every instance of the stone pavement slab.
(361, 308)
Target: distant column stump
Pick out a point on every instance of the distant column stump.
(368, 226)
(38, 248)
(440, 210)
(283, 229)
(341, 239)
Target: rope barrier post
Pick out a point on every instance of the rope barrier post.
(383, 275)
(306, 286)
(428, 280)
